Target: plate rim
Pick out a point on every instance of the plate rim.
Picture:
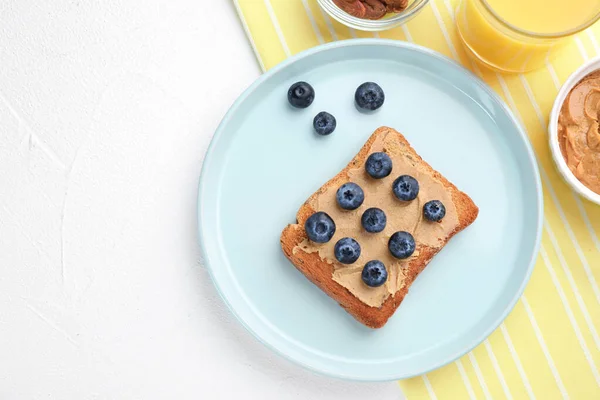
(531, 159)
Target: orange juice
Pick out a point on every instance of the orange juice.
(520, 35)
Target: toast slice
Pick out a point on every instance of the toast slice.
(343, 283)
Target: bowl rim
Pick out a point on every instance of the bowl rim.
(370, 25)
(559, 160)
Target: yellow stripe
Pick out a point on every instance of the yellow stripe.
(363, 34)
(317, 14)
(292, 17)
(444, 382)
(262, 31)
(277, 27)
(560, 339)
(594, 39)
(425, 29)
(343, 32)
(576, 293)
(546, 352)
(415, 389)
(587, 342)
(517, 360)
(525, 342)
(492, 380)
(249, 35)
(516, 385)
(337, 30)
(469, 362)
(395, 33)
(587, 44)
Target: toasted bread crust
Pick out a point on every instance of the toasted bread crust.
(320, 272)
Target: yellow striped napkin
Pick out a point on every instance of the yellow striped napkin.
(549, 346)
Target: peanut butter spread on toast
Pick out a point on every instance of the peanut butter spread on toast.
(401, 216)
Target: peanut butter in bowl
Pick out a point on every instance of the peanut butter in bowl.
(579, 131)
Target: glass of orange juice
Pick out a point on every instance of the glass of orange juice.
(520, 35)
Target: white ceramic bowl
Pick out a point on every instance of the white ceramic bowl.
(587, 68)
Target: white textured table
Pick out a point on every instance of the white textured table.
(106, 110)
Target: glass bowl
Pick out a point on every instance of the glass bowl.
(388, 22)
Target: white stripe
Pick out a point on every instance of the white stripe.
(553, 74)
(496, 366)
(429, 387)
(532, 100)
(476, 68)
(329, 24)
(465, 379)
(540, 338)
(586, 267)
(517, 361)
(581, 48)
(527, 59)
(247, 31)
(449, 8)
(573, 284)
(376, 35)
(565, 301)
(440, 21)
(278, 30)
(509, 98)
(561, 213)
(407, 33)
(479, 375)
(593, 40)
(313, 22)
(352, 32)
(587, 222)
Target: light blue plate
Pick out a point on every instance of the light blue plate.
(265, 160)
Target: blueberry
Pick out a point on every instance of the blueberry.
(374, 273)
(434, 210)
(369, 96)
(402, 244)
(324, 123)
(373, 220)
(301, 95)
(406, 188)
(347, 250)
(378, 165)
(319, 227)
(350, 196)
